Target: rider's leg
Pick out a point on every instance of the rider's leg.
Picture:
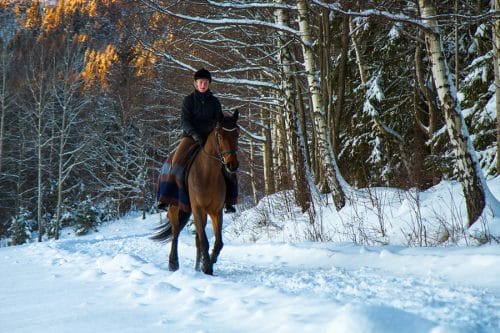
(231, 192)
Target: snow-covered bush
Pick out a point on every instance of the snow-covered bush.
(20, 227)
(106, 210)
(477, 97)
(86, 218)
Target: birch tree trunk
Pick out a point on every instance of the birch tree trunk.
(342, 75)
(468, 167)
(3, 98)
(252, 163)
(429, 95)
(252, 172)
(495, 5)
(296, 151)
(60, 166)
(40, 145)
(324, 144)
(38, 89)
(302, 122)
(267, 154)
(280, 154)
(357, 51)
(326, 51)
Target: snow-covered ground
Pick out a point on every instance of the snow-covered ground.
(117, 280)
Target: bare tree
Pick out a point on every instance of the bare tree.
(66, 87)
(7, 32)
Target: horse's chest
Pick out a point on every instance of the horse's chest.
(208, 183)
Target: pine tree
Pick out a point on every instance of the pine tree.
(20, 227)
(86, 217)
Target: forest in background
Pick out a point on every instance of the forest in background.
(332, 95)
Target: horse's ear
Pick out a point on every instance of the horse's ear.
(236, 114)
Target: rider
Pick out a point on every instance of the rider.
(200, 111)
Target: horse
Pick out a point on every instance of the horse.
(207, 192)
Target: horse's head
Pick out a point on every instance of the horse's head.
(227, 132)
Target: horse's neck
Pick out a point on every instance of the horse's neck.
(208, 159)
(210, 146)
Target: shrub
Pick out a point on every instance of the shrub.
(20, 227)
(86, 218)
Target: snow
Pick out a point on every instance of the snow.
(491, 106)
(270, 279)
(395, 32)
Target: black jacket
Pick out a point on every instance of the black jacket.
(200, 113)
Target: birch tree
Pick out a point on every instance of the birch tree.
(470, 173)
(267, 152)
(69, 103)
(329, 166)
(4, 95)
(296, 148)
(495, 6)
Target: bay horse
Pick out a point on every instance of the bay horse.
(207, 192)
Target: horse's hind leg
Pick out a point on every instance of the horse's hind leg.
(173, 259)
(198, 254)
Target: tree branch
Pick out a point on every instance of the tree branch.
(221, 21)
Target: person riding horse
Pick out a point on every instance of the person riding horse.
(200, 111)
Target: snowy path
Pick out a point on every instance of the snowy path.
(117, 281)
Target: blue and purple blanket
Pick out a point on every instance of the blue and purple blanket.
(172, 183)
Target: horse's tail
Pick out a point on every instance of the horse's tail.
(164, 232)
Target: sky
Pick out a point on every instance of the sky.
(271, 278)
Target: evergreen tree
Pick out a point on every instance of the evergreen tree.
(20, 227)
(86, 217)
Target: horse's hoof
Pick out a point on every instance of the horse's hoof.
(173, 266)
(208, 270)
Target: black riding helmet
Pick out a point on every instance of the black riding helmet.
(203, 74)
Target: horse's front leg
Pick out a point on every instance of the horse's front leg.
(206, 265)
(202, 245)
(218, 244)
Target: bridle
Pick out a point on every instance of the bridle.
(217, 136)
(221, 153)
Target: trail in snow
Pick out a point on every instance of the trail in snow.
(118, 280)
